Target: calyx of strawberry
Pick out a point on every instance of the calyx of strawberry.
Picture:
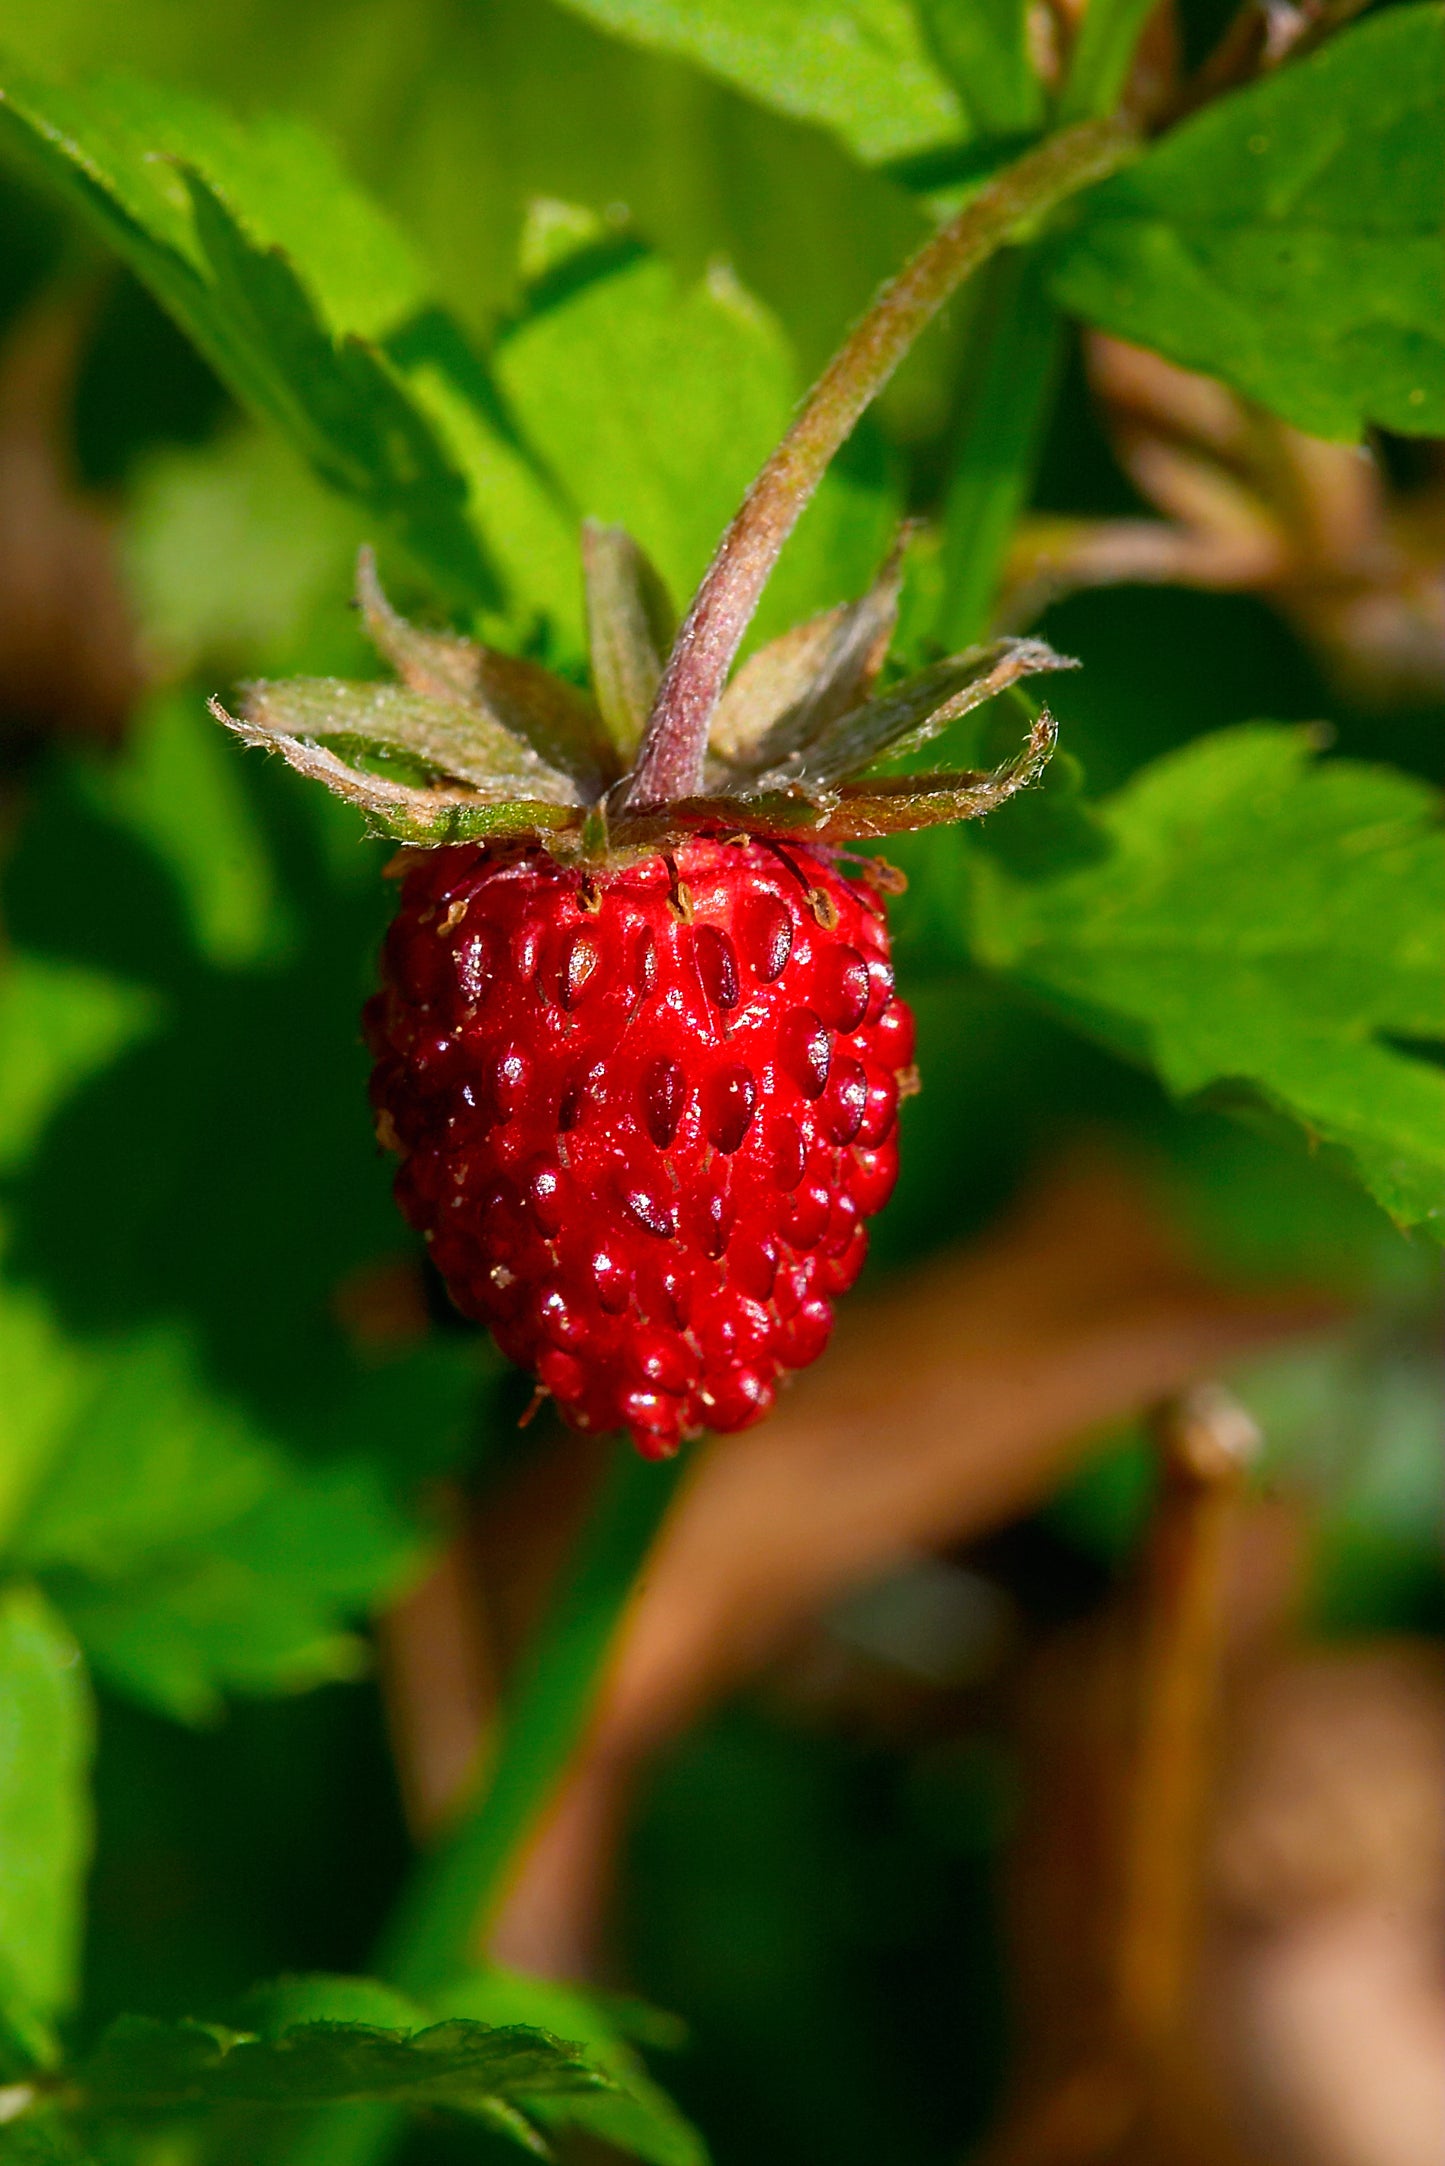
(471, 744)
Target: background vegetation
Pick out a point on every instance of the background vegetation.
(446, 275)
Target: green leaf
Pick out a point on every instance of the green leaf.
(59, 1024)
(279, 2004)
(189, 1553)
(861, 67)
(676, 407)
(45, 1747)
(260, 1607)
(147, 2068)
(151, 1456)
(120, 145)
(630, 628)
(177, 786)
(42, 2139)
(982, 48)
(218, 223)
(638, 2116)
(1267, 920)
(233, 551)
(1291, 238)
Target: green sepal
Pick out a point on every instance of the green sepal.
(550, 719)
(909, 714)
(630, 625)
(429, 814)
(787, 695)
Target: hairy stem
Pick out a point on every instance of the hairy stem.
(670, 764)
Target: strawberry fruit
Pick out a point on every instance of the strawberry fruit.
(644, 1117)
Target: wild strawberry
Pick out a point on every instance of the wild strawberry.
(638, 1044)
(644, 1115)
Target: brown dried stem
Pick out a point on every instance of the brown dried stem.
(670, 764)
(1127, 2089)
(1206, 1441)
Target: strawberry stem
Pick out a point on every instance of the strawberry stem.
(443, 1916)
(670, 763)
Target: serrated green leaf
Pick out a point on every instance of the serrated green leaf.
(279, 2004)
(146, 2068)
(1265, 920)
(45, 1748)
(637, 2116)
(1291, 238)
(126, 142)
(861, 68)
(59, 1024)
(339, 399)
(202, 212)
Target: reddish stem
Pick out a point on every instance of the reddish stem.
(670, 763)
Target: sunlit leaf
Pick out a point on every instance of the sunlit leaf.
(861, 68)
(1291, 238)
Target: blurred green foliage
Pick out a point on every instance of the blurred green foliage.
(622, 257)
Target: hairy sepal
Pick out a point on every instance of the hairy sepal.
(505, 697)
(909, 714)
(787, 695)
(440, 810)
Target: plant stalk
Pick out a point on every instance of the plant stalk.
(1108, 37)
(444, 1912)
(670, 764)
(440, 1922)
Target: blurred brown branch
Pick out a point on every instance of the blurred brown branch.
(69, 661)
(1108, 2073)
(1250, 505)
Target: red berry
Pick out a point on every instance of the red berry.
(642, 1144)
